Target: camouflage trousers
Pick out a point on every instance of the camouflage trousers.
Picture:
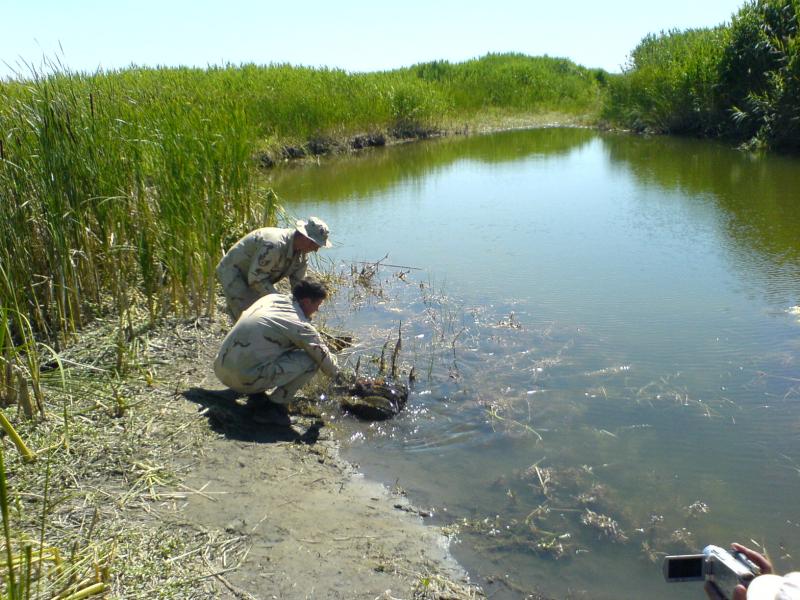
(238, 295)
(280, 378)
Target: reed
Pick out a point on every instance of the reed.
(760, 74)
(516, 82)
(113, 194)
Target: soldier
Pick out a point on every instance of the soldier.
(273, 345)
(253, 266)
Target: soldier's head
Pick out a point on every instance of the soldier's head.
(310, 294)
(311, 235)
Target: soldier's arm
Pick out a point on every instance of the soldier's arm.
(261, 267)
(306, 337)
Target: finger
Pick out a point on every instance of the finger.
(740, 593)
(760, 561)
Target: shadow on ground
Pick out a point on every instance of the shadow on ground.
(229, 414)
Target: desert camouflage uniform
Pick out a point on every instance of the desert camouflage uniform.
(253, 266)
(273, 345)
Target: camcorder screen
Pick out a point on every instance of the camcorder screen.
(690, 567)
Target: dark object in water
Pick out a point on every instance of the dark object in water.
(374, 399)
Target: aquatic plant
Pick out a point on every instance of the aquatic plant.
(115, 195)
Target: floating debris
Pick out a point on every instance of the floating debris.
(554, 547)
(596, 494)
(608, 371)
(651, 554)
(510, 321)
(696, 509)
(605, 525)
(337, 340)
(562, 486)
(683, 538)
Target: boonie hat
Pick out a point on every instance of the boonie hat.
(316, 230)
(775, 587)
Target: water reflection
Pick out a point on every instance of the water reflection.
(382, 169)
(758, 197)
(606, 368)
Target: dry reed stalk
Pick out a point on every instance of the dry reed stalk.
(91, 590)
(396, 351)
(26, 453)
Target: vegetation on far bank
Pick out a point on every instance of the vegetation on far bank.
(739, 81)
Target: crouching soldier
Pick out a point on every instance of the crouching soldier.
(274, 348)
(252, 267)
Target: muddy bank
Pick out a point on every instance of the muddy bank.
(323, 145)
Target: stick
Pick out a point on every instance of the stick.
(361, 262)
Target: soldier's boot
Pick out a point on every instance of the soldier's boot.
(266, 412)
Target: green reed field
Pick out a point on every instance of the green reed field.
(739, 81)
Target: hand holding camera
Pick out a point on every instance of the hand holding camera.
(727, 574)
(740, 591)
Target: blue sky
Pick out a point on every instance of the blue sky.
(355, 35)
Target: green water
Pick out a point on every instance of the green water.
(612, 310)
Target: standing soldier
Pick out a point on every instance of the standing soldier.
(252, 267)
(274, 347)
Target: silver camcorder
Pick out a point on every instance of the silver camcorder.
(723, 569)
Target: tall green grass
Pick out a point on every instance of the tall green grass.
(739, 81)
(115, 198)
(515, 82)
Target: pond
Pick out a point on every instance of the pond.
(605, 339)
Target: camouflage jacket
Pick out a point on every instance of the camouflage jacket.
(272, 326)
(262, 258)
